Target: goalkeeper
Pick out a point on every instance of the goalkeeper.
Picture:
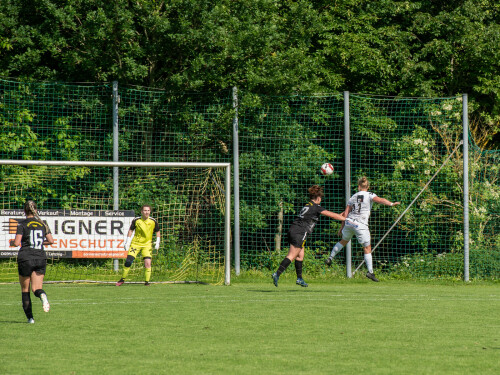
(142, 243)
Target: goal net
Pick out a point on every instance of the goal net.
(89, 206)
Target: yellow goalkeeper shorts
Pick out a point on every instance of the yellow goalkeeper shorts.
(144, 251)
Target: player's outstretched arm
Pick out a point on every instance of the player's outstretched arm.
(344, 214)
(385, 201)
(333, 215)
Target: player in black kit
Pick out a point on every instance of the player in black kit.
(302, 226)
(32, 234)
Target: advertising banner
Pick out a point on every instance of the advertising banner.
(77, 233)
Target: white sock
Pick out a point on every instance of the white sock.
(369, 262)
(338, 246)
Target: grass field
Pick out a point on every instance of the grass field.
(344, 327)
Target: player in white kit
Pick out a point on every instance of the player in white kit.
(357, 214)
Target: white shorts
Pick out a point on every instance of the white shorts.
(361, 231)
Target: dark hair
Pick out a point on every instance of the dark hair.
(315, 191)
(146, 205)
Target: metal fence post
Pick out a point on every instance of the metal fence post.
(347, 158)
(466, 184)
(116, 200)
(236, 176)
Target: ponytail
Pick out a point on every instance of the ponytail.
(31, 209)
(363, 183)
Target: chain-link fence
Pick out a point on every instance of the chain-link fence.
(397, 143)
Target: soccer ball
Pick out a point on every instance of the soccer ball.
(326, 169)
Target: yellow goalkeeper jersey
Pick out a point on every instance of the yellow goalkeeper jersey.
(144, 230)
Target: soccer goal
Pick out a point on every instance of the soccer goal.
(89, 206)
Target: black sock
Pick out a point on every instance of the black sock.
(27, 305)
(283, 266)
(39, 292)
(298, 268)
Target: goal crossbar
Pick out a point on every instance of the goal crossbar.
(117, 164)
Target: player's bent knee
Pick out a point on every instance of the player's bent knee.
(129, 260)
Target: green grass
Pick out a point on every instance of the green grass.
(342, 327)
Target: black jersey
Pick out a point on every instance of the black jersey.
(33, 232)
(308, 216)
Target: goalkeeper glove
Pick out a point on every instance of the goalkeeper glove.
(157, 244)
(126, 245)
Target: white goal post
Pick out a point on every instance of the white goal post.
(227, 187)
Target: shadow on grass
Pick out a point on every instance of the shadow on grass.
(307, 290)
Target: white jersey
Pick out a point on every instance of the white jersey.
(361, 205)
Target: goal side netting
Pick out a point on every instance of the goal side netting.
(89, 207)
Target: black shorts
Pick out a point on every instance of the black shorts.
(27, 267)
(297, 236)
